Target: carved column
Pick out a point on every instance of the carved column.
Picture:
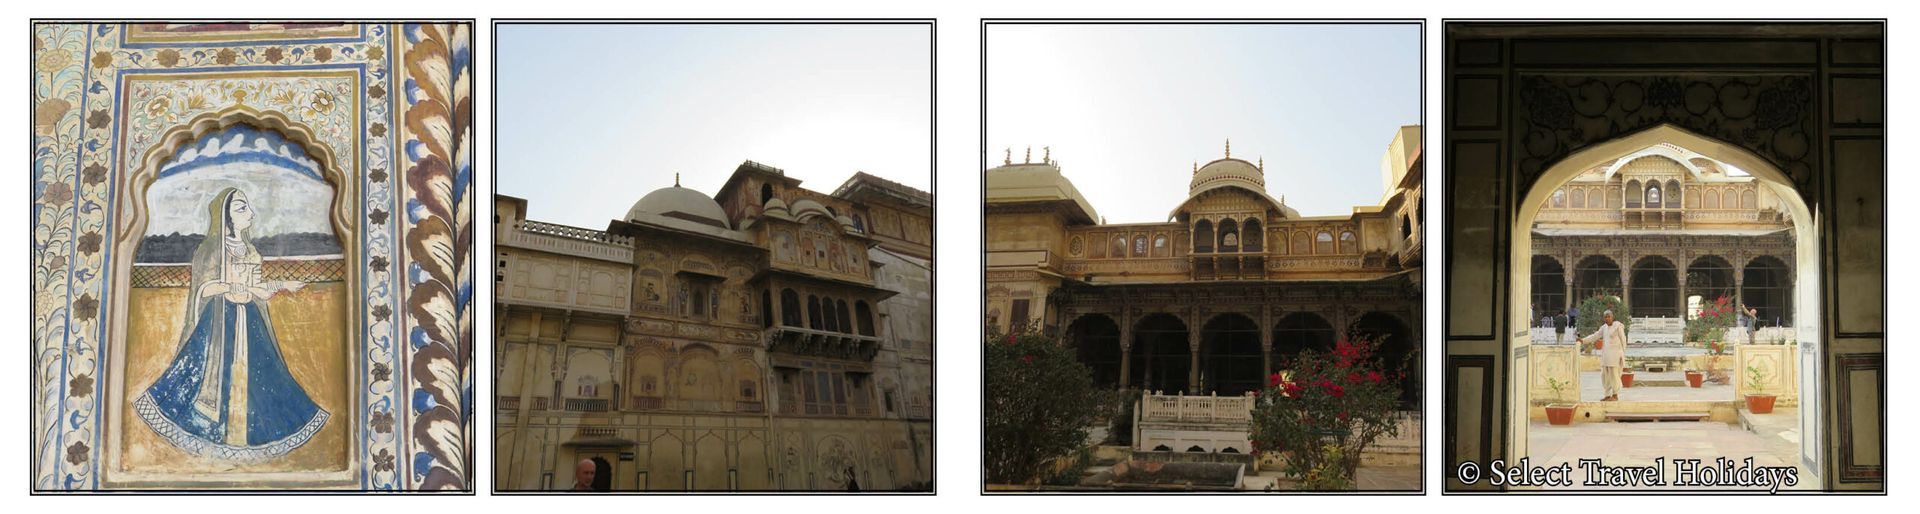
(1266, 340)
(1126, 355)
(1626, 283)
(1680, 277)
(1193, 355)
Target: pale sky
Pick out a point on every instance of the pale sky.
(592, 117)
(1128, 109)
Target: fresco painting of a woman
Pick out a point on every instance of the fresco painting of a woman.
(228, 394)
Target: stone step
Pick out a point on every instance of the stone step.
(1629, 417)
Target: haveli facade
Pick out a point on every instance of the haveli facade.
(769, 337)
(1209, 301)
(1670, 231)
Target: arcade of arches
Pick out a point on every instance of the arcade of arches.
(1214, 299)
(1671, 246)
(1231, 353)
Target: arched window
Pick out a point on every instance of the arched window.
(1140, 245)
(1579, 199)
(1119, 246)
(766, 193)
(766, 309)
(1655, 291)
(1633, 193)
(1673, 194)
(1300, 245)
(1323, 244)
(1349, 244)
(859, 224)
(1406, 226)
(1559, 199)
(1251, 236)
(1653, 195)
(1297, 332)
(1203, 236)
(827, 316)
(1693, 199)
(1713, 200)
(789, 308)
(846, 318)
(1160, 245)
(1229, 236)
(1549, 287)
(1747, 199)
(1767, 287)
(813, 312)
(864, 316)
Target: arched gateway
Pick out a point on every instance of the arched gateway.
(1518, 136)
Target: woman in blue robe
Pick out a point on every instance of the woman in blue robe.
(228, 393)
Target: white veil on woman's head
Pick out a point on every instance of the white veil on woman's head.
(210, 258)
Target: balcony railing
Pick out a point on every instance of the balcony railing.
(588, 405)
(568, 240)
(1197, 409)
(596, 432)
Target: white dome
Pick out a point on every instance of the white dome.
(678, 204)
(1229, 170)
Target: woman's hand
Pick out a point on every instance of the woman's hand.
(215, 288)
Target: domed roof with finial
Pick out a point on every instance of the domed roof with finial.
(1228, 170)
(675, 206)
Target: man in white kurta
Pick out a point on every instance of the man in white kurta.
(1612, 343)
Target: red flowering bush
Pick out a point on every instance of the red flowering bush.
(1039, 402)
(1324, 409)
(1709, 328)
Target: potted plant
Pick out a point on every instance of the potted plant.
(1559, 413)
(1626, 377)
(1695, 377)
(1758, 401)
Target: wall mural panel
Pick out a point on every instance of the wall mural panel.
(251, 256)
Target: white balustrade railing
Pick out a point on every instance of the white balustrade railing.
(1196, 409)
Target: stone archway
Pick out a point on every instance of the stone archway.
(1161, 357)
(1096, 342)
(1230, 355)
(1398, 348)
(1652, 282)
(1521, 98)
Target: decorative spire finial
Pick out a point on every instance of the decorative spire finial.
(1196, 167)
(1263, 163)
(1009, 158)
(676, 179)
(1046, 155)
(1029, 158)
(1229, 148)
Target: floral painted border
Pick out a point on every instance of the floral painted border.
(79, 158)
(439, 250)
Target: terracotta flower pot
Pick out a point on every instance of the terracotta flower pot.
(1626, 379)
(1694, 378)
(1760, 403)
(1562, 413)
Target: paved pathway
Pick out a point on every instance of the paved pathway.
(1638, 444)
(1591, 391)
